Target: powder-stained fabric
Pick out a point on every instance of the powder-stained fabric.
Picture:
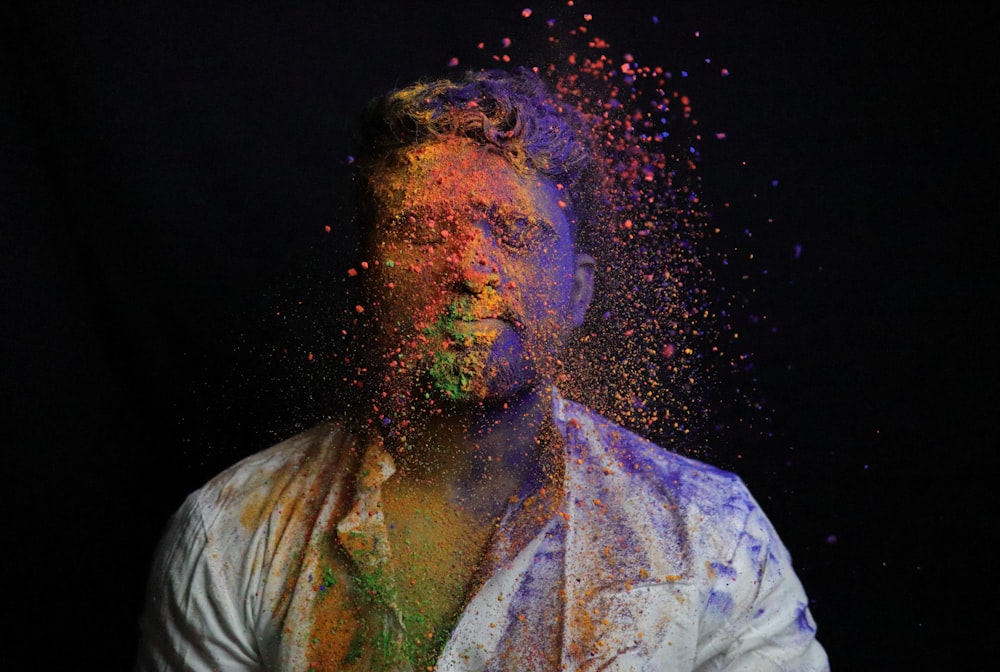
(647, 561)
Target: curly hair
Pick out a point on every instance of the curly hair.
(512, 113)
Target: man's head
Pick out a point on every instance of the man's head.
(511, 114)
(468, 214)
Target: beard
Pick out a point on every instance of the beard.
(479, 361)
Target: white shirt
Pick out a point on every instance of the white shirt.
(651, 561)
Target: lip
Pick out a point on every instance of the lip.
(485, 324)
(469, 314)
(494, 322)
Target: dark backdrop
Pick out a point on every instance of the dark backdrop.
(170, 172)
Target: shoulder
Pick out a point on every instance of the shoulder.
(690, 512)
(298, 470)
(700, 534)
(231, 553)
(704, 515)
(248, 524)
(681, 479)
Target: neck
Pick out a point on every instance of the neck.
(484, 452)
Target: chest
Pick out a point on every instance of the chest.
(435, 550)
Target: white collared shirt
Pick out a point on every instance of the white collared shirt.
(651, 562)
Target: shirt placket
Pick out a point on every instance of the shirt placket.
(364, 535)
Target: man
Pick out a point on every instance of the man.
(467, 516)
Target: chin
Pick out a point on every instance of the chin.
(507, 381)
(480, 377)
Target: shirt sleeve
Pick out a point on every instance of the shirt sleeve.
(758, 609)
(194, 618)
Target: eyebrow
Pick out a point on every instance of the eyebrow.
(495, 213)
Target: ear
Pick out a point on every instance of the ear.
(583, 287)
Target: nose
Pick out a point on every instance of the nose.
(480, 268)
(477, 281)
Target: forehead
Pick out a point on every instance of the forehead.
(453, 175)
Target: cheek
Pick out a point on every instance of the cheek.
(411, 287)
(411, 267)
(545, 289)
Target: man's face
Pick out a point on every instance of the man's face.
(475, 284)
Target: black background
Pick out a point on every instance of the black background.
(171, 168)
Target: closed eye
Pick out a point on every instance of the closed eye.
(522, 233)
